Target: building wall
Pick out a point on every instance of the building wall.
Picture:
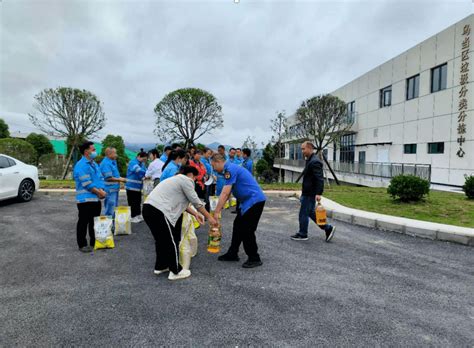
(431, 117)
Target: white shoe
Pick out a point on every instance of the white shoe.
(185, 273)
(140, 218)
(135, 219)
(161, 271)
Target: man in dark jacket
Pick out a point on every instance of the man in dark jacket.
(313, 187)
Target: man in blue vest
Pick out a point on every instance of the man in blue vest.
(238, 155)
(110, 172)
(247, 162)
(206, 160)
(89, 191)
(166, 153)
(136, 171)
(252, 201)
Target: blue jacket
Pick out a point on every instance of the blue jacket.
(135, 173)
(170, 170)
(248, 164)
(207, 164)
(87, 176)
(109, 169)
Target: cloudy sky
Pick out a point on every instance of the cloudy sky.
(256, 57)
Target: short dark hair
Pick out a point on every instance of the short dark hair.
(174, 146)
(238, 149)
(142, 154)
(198, 152)
(247, 152)
(207, 149)
(185, 170)
(232, 148)
(85, 146)
(221, 147)
(167, 148)
(154, 152)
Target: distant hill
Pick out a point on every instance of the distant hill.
(137, 146)
(215, 144)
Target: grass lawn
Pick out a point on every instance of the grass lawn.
(442, 207)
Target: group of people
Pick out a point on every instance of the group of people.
(184, 179)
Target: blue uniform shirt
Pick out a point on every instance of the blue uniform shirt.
(234, 160)
(109, 169)
(244, 187)
(170, 170)
(248, 164)
(164, 158)
(135, 172)
(87, 176)
(207, 164)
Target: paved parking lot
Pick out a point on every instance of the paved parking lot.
(366, 288)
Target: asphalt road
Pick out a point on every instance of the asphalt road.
(367, 288)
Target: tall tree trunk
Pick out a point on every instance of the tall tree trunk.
(330, 169)
(66, 168)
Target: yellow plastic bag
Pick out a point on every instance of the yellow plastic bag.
(103, 233)
(123, 224)
(233, 202)
(213, 202)
(226, 205)
(189, 244)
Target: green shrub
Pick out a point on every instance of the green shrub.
(408, 188)
(269, 176)
(41, 144)
(261, 166)
(18, 149)
(468, 186)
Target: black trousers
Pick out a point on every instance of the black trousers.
(244, 231)
(167, 238)
(134, 199)
(201, 192)
(87, 212)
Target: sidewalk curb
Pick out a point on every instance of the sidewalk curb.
(411, 227)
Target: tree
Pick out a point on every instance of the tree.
(41, 144)
(19, 149)
(269, 154)
(70, 113)
(4, 133)
(323, 119)
(251, 144)
(187, 114)
(117, 142)
(278, 126)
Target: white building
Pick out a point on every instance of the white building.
(417, 108)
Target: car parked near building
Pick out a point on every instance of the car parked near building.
(17, 179)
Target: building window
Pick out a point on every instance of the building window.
(386, 96)
(439, 78)
(413, 87)
(346, 152)
(351, 111)
(361, 156)
(409, 148)
(435, 148)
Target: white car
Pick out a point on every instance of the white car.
(17, 179)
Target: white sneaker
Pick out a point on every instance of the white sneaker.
(185, 273)
(140, 218)
(158, 272)
(135, 219)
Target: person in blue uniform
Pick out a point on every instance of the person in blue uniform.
(172, 165)
(232, 157)
(135, 173)
(247, 162)
(110, 172)
(166, 153)
(206, 160)
(89, 191)
(238, 155)
(245, 188)
(220, 181)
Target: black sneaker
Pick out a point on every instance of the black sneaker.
(330, 234)
(252, 264)
(234, 212)
(299, 237)
(86, 249)
(228, 257)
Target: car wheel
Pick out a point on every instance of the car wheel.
(26, 190)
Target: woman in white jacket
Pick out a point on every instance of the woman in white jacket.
(163, 213)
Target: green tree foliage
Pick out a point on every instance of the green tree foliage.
(186, 115)
(41, 144)
(269, 154)
(19, 149)
(4, 132)
(117, 142)
(261, 166)
(70, 113)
